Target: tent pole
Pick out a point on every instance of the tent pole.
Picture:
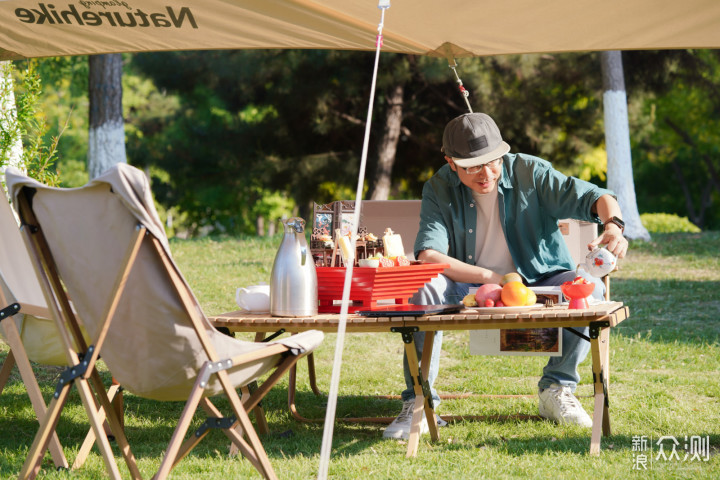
(463, 91)
(326, 446)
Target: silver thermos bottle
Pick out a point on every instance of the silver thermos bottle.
(293, 282)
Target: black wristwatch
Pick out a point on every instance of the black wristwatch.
(617, 221)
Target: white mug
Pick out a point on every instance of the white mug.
(255, 298)
(599, 262)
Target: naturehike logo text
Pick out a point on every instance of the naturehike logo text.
(49, 15)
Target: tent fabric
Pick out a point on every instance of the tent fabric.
(448, 28)
(89, 230)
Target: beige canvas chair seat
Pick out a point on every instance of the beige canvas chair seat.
(103, 246)
(19, 282)
(30, 333)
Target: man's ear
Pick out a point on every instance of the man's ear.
(452, 164)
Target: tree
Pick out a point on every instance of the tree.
(106, 139)
(617, 141)
(387, 146)
(11, 132)
(677, 132)
(232, 128)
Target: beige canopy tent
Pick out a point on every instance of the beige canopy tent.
(443, 28)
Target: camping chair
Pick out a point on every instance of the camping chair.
(16, 314)
(103, 246)
(28, 329)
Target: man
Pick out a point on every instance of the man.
(489, 212)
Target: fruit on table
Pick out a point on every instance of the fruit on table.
(510, 277)
(514, 294)
(488, 291)
(469, 300)
(489, 302)
(532, 298)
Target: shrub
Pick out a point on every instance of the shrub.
(667, 223)
(22, 122)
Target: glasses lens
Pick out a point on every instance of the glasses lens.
(477, 168)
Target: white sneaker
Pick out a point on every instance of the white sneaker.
(400, 427)
(558, 404)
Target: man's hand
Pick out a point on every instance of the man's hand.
(613, 239)
(607, 207)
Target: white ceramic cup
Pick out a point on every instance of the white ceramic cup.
(255, 298)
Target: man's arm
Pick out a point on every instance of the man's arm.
(607, 207)
(460, 271)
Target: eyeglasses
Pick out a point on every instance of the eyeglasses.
(491, 164)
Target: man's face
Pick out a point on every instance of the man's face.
(481, 179)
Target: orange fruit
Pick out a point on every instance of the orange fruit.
(514, 294)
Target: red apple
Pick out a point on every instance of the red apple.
(489, 302)
(488, 291)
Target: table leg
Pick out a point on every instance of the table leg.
(422, 399)
(600, 366)
(429, 406)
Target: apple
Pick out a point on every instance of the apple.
(489, 302)
(488, 291)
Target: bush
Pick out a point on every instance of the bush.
(667, 223)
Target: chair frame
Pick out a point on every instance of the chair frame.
(85, 376)
(17, 356)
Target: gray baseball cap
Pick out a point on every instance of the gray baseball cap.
(473, 139)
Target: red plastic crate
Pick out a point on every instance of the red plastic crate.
(372, 284)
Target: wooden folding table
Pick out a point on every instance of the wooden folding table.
(599, 318)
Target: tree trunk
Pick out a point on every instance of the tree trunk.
(617, 143)
(8, 116)
(106, 139)
(380, 186)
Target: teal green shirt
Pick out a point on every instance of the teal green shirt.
(532, 197)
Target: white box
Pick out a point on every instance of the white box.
(577, 234)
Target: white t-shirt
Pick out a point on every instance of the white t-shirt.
(491, 250)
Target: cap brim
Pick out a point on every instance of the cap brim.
(499, 151)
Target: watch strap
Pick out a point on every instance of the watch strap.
(617, 221)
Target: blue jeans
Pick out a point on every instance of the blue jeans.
(561, 370)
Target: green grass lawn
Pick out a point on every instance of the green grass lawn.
(665, 361)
